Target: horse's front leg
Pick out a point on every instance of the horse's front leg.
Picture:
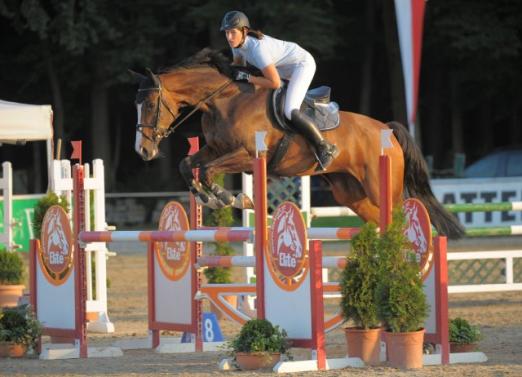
(237, 161)
(203, 195)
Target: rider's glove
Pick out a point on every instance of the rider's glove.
(242, 76)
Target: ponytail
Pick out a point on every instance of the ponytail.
(255, 33)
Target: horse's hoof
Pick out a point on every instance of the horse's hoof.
(242, 201)
(202, 198)
(213, 204)
(225, 197)
(200, 201)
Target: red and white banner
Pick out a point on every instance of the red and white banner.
(410, 20)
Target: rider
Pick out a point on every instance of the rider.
(278, 59)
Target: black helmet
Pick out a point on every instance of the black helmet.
(234, 20)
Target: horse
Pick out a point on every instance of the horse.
(233, 111)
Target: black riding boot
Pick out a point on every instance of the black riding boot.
(324, 151)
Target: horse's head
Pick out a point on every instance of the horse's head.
(193, 82)
(155, 115)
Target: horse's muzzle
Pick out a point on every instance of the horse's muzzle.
(147, 155)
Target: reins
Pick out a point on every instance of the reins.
(173, 127)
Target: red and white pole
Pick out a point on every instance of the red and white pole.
(385, 195)
(261, 230)
(196, 248)
(79, 258)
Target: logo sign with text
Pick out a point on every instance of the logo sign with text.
(288, 247)
(418, 231)
(173, 257)
(56, 253)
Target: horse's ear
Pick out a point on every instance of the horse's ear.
(137, 76)
(153, 77)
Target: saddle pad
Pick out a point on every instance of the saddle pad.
(324, 115)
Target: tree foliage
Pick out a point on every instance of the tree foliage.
(75, 55)
(359, 279)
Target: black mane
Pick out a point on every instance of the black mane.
(219, 59)
(206, 57)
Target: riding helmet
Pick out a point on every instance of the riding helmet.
(234, 20)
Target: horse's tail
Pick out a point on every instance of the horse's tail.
(417, 182)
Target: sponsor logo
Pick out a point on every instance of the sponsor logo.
(418, 231)
(173, 257)
(287, 257)
(56, 254)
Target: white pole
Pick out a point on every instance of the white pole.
(87, 222)
(7, 188)
(97, 184)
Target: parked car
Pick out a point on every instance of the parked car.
(505, 162)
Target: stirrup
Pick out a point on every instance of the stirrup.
(329, 154)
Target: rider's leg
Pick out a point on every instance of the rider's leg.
(299, 83)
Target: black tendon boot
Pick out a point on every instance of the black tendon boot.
(323, 150)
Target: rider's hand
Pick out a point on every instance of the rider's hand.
(242, 76)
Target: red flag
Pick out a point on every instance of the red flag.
(194, 145)
(77, 150)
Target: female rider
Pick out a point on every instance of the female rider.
(278, 59)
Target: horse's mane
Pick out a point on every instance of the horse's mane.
(218, 59)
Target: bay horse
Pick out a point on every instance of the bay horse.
(233, 111)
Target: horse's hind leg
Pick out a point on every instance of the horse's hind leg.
(348, 191)
(236, 161)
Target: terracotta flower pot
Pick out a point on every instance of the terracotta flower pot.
(10, 294)
(257, 360)
(11, 349)
(459, 347)
(404, 350)
(365, 344)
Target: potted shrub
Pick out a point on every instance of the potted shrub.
(358, 284)
(19, 331)
(401, 301)
(11, 277)
(259, 344)
(463, 336)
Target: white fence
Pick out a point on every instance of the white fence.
(62, 184)
(6, 186)
(508, 285)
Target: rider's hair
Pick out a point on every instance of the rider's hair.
(255, 33)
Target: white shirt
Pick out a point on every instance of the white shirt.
(260, 53)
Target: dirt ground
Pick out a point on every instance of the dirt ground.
(499, 316)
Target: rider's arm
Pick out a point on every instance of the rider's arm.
(269, 80)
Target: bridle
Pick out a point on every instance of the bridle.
(160, 133)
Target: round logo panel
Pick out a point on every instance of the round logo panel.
(287, 257)
(418, 231)
(173, 257)
(56, 253)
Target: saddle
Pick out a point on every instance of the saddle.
(316, 105)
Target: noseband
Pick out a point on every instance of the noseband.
(157, 134)
(160, 133)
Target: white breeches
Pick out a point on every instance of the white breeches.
(300, 81)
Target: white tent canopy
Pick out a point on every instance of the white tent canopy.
(20, 122)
